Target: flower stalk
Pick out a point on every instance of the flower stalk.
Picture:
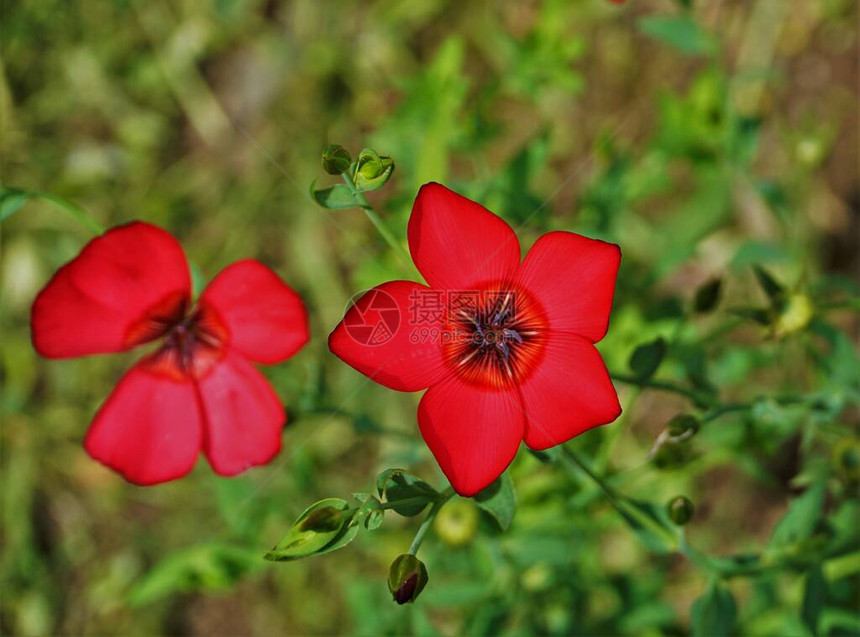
(374, 217)
(428, 521)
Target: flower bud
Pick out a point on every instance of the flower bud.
(457, 522)
(371, 165)
(680, 510)
(683, 426)
(336, 159)
(372, 170)
(795, 315)
(407, 577)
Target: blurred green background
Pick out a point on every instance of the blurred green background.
(703, 136)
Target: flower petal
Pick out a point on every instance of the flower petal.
(573, 278)
(473, 432)
(457, 243)
(385, 338)
(568, 393)
(266, 318)
(149, 429)
(243, 416)
(106, 298)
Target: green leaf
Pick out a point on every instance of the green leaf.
(681, 32)
(336, 197)
(707, 296)
(499, 500)
(647, 358)
(321, 528)
(397, 484)
(714, 613)
(207, 566)
(755, 314)
(769, 284)
(11, 200)
(814, 597)
(799, 523)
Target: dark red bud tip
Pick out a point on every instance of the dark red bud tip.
(407, 577)
(406, 592)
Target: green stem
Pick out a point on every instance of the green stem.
(697, 398)
(428, 521)
(421, 499)
(728, 408)
(71, 209)
(375, 219)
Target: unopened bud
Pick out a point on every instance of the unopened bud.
(680, 510)
(457, 522)
(407, 577)
(795, 315)
(336, 159)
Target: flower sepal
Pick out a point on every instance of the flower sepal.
(324, 526)
(371, 170)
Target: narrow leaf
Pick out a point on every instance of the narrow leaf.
(202, 567)
(799, 523)
(336, 197)
(647, 358)
(681, 32)
(814, 596)
(714, 613)
(11, 200)
(768, 283)
(707, 296)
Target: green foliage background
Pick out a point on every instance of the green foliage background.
(705, 137)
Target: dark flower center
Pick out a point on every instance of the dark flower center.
(494, 335)
(193, 338)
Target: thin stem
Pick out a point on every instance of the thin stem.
(375, 219)
(405, 502)
(697, 398)
(71, 209)
(428, 521)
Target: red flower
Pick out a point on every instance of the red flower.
(197, 389)
(507, 352)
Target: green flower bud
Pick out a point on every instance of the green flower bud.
(407, 577)
(457, 522)
(795, 315)
(336, 159)
(372, 170)
(683, 425)
(680, 510)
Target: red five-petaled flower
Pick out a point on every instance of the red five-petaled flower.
(509, 355)
(197, 389)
